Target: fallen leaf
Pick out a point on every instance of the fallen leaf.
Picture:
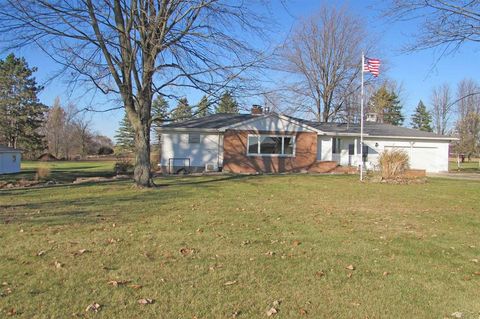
(145, 301)
(270, 253)
(477, 273)
(272, 312)
(229, 283)
(187, 251)
(12, 312)
(95, 307)
(386, 273)
(475, 260)
(296, 243)
(319, 273)
(117, 283)
(58, 264)
(457, 314)
(80, 252)
(303, 312)
(349, 275)
(235, 314)
(41, 253)
(350, 267)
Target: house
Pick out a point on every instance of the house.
(10, 159)
(273, 143)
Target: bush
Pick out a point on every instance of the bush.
(393, 163)
(123, 166)
(105, 150)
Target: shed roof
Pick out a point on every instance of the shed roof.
(7, 149)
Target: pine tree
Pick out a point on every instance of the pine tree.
(183, 111)
(227, 104)
(159, 110)
(125, 136)
(21, 113)
(387, 106)
(422, 119)
(393, 114)
(203, 107)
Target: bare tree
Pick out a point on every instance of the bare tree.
(134, 49)
(323, 54)
(445, 23)
(468, 122)
(442, 105)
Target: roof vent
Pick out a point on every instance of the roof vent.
(257, 109)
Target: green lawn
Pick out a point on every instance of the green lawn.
(63, 171)
(207, 247)
(467, 167)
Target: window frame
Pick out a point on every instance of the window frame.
(258, 136)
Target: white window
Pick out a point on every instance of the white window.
(193, 138)
(271, 145)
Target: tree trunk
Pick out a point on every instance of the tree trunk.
(141, 125)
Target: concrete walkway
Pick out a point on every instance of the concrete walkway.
(454, 175)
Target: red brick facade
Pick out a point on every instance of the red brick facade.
(236, 160)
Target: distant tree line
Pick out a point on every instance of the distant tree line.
(35, 128)
(162, 112)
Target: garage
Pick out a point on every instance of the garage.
(428, 157)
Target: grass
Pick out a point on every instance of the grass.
(246, 241)
(63, 171)
(472, 166)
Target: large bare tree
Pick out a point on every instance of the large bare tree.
(136, 48)
(323, 56)
(442, 107)
(444, 23)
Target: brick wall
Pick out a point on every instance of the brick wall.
(235, 157)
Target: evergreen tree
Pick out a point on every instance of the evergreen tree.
(125, 136)
(21, 113)
(227, 104)
(183, 111)
(422, 119)
(203, 107)
(387, 107)
(159, 110)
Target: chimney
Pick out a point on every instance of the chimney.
(257, 109)
(371, 117)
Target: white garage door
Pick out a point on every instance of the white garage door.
(420, 157)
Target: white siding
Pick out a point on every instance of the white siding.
(271, 124)
(431, 155)
(10, 162)
(175, 145)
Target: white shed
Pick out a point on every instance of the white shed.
(10, 159)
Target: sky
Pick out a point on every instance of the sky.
(417, 72)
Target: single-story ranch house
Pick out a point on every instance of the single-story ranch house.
(9, 160)
(273, 143)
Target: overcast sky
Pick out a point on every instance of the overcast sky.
(418, 72)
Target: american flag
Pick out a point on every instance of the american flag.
(372, 66)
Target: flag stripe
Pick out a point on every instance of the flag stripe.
(372, 66)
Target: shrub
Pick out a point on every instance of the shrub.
(43, 171)
(105, 150)
(393, 163)
(123, 166)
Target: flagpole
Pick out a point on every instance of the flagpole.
(361, 121)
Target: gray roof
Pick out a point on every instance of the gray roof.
(372, 129)
(217, 121)
(6, 149)
(212, 121)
